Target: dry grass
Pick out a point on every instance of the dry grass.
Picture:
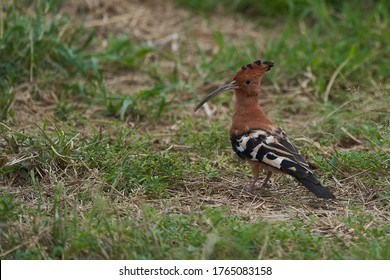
(171, 29)
(159, 25)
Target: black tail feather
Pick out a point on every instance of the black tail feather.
(313, 185)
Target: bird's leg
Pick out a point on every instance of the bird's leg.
(255, 171)
(265, 183)
(253, 185)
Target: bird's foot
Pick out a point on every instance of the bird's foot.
(249, 191)
(266, 185)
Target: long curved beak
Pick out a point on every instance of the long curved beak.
(227, 87)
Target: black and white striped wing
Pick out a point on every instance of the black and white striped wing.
(271, 149)
(275, 150)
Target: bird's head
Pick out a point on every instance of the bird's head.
(245, 82)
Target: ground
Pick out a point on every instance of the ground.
(117, 164)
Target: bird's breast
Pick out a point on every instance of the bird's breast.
(249, 118)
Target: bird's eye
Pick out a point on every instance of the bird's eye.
(248, 82)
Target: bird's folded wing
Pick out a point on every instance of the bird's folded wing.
(273, 149)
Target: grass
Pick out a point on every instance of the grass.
(103, 158)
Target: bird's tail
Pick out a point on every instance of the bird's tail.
(313, 185)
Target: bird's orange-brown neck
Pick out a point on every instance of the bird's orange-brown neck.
(248, 115)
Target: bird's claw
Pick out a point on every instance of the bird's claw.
(249, 191)
(266, 186)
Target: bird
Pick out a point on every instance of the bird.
(256, 139)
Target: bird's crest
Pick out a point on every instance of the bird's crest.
(249, 76)
(254, 69)
(257, 65)
(250, 66)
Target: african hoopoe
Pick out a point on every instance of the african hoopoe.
(256, 138)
